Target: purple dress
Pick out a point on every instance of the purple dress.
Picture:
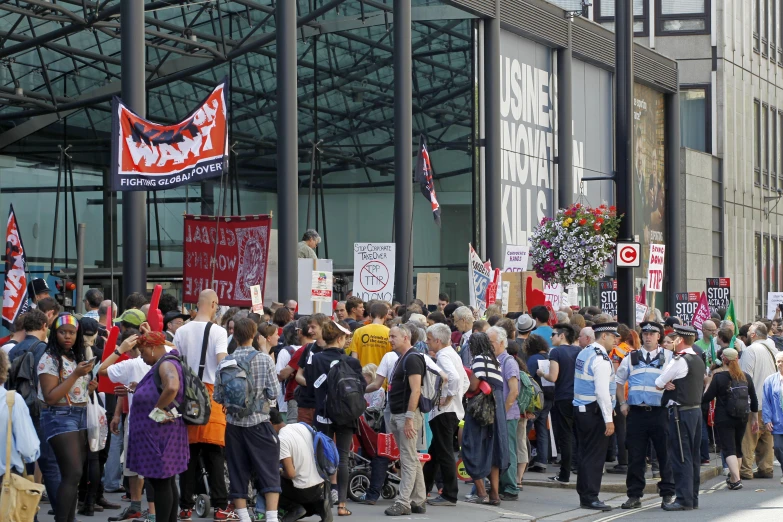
(156, 450)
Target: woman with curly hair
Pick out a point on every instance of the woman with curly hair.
(64, 384)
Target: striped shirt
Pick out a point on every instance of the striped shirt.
(486, 369)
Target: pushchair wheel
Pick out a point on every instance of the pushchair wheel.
(358, 483)
(389, 491)
(202, 506)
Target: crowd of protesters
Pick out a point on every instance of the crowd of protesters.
(606, 392)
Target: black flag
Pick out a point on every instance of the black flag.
(424, 177)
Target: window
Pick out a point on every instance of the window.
(765, 151)
(773, 267)
(695, 118)
(773, 171)
(757, 141)
(764, 25)
(604, 14)
(766, 258)
(773, 33)
(683, 16)
(757, 25)
(757, 258)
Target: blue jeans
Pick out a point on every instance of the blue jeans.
(112, 471)
(705, 440)
(777, 439)
(56, 420)
(47, 463)
(542, 435)
(378, 468)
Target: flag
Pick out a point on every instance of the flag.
(702, 312)
(642, 297)
(732, 316)
(424, 177)
(15, 292)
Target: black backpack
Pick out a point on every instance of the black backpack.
(344, 394)
(23, 377)
(738, 402)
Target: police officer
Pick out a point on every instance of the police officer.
(683, 380)
(646, 417)
(594, 400)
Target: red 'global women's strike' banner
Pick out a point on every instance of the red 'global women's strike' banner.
(151, 156)
(227, 254)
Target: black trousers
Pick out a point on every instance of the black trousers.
(215, 464)
(686, 467)
(647, 427)
(564, 429)
(442, 456)
(312, 498)
(590, 429)
(620, 435)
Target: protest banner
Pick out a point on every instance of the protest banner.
(494, 289)
(227, 254)
(718, 293)
(608, 296)
(554, 294)
(702, 312)
(655, 268)
(256, 300)
(152, 156)
(15, 291)
(685, 304)
(516, 258)
(428, 287)
(774, 300)
(479, 277)
(373, 271)
(304, 285)
(641, 312)
(506, 290)
(321, 287)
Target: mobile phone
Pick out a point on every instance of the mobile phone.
(93, 360)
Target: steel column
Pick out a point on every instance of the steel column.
(626, 310)
(492, 152)
(403, 151)
(287, 150)
(565, 132)
(674, 268)
(134, 218)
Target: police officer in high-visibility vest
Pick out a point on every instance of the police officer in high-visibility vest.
(683, 380)
(594, 401)
(646, 417)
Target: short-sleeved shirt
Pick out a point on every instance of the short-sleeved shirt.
(545, 332)
(565, 357)
(412, 363)
(370, 343)
(128, 371)
(78, 392)
(190, 338)
(296, 442)
(510, 370)
(486, 369)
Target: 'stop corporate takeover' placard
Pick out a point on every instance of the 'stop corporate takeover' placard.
(152, 156)
(373, 271)
(718, 293)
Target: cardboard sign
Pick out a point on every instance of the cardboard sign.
(608, 295)
(227, 254)
(774, 299)
(321, 288)
(517, 284)
(685, 304)
(516, 258)
(479, 277)
(256, 299)
(428, 287)
(702, 312)
(154, 156)
(718, 293)
(373, 271)
(655, 268)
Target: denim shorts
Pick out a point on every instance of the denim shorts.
(56, 420)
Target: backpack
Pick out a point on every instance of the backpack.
(430, 393)
(23, 377)
(234, 386)
(527, 394)
(325, 451)
(738, 402)
(344, 393)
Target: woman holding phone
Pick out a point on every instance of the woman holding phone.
(64, 384)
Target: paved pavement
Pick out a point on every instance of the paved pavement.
(761, 500)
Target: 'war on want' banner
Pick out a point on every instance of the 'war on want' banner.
(153, 156)
(226, 254)
(15, 292)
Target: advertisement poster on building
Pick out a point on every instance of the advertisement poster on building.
(607, 291)
(648, 177)
(373, 271)
(718, 293)
(479, 277)
(685, 304)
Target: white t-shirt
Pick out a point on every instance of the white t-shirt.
(188, 341)
(387, 364)
(296, 442)
(128, 371)
(283, 358)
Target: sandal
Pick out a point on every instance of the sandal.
(345, 512)
(478, 500)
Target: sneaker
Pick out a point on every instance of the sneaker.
(419, 510)
(127, 514)
(44, 498)
(656, 474)
(759, 474)
(508, 497)
(397, 510)
(735, 485)
(537, 468)
(335, 497)
(145, 517)
(224, 514)
(726, 472)
(440, 501)
(185, 515)
(632, 503)
(106, 504)
(705, 462)
(620, 469)
(258, 517)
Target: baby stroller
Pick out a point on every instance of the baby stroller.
(367, 441)
(203, 504)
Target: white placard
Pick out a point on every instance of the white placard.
(304, 281)
(373, 271)
(573, 295)
(321, 288)
(543, 365)
(655, 268)
(516, 258)
(256, 299)
(773, 300)
(554, 294)
(641, 311)
(506, 292)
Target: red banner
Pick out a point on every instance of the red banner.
(227, 254)
(15, 292)
(152, 156)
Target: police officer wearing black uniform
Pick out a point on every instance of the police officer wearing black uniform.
(646, 417)
(683, 380)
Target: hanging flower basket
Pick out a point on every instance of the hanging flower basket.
(575, 246)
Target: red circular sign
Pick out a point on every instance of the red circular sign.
(628, 254)
(374, 276)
